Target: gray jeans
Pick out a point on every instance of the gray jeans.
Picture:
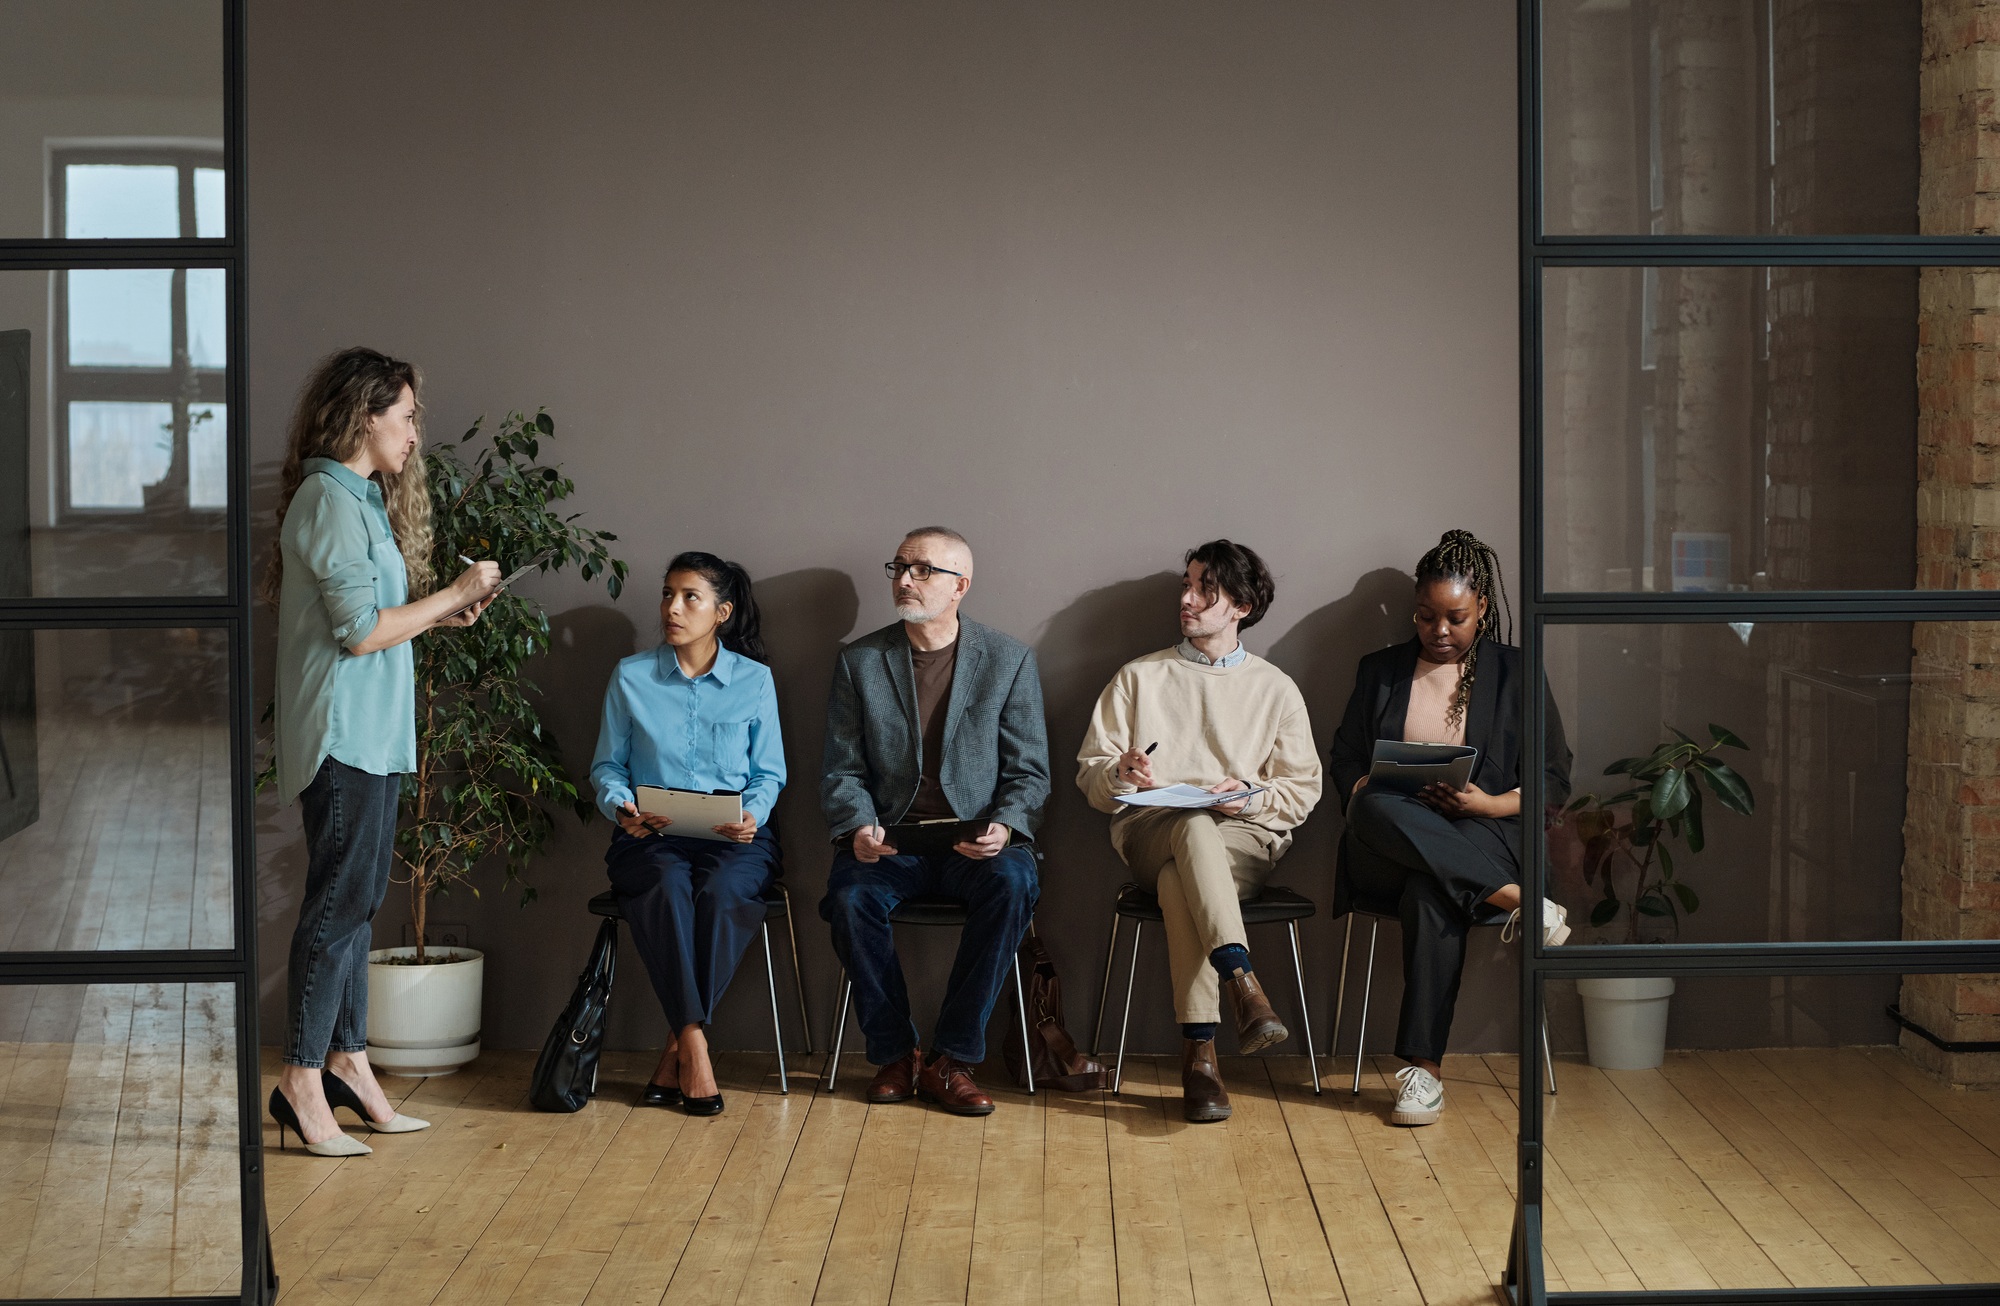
(350, 820)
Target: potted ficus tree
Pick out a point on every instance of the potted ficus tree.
(489, 780)
(1625, 843)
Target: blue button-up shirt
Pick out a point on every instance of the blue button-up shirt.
(342, 566)
(718, 730)
(1233, 658)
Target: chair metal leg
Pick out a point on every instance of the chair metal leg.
(1104, 989)
(1021, 1007)
(1367, 990)
(798, 974)
(1340, 991)
(1548, 1061)
(1125, 1022)
(1305, 1017)
(839, 1029)
(777, 1028)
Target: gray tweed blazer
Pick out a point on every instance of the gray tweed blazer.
(996, 743)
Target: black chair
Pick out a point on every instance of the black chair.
(777, 906)
(924, 911)
(1274, 906)
(1375, 918)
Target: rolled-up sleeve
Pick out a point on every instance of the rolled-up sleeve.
(334, 546)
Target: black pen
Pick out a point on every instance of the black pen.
(1150, 747)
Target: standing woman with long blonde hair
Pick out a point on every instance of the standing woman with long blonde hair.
(351, 576)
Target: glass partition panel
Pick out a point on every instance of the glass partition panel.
(1751, 117)
(118, 1141)
(113, 432)
(1870, 766)
(1764, 428)
(1782, 1140)
(110, 112)
(115, 783)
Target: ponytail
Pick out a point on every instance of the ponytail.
(743, 633)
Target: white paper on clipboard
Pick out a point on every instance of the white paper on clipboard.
(694, 814)
(1407, 768)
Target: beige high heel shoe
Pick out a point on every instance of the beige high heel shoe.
(339, 1093)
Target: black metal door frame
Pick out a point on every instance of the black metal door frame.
(230, 611)
(1541, 608)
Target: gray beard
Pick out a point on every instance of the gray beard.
(914, 613)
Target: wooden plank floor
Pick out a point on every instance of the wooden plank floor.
(1735, 1169)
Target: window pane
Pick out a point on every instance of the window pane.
(116, 450)
(115, 825)
(120, 1120)
(1869, 769)
(208, 456)
(1782, 1140)
(131, 200)
(121, 317)
(210, 216)
(1810, 117)
(208, 317)
(116, 72)
(114, 519)
(1765, 428)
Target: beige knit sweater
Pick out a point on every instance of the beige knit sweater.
(1211, 723)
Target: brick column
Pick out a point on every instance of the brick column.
(1951, 834)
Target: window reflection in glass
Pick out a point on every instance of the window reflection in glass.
(116, 450)
(208, 456)
(207, 317)
(209, 194)
(121, 200)
(121, 317)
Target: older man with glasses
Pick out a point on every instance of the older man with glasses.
(934, 719)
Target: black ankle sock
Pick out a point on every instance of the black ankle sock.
(1230, 958)
(1199, 1033)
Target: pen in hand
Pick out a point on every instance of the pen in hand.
(1150, 747)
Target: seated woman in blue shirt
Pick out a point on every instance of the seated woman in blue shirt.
(700, 712)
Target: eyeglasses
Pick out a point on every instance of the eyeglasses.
(918, 571)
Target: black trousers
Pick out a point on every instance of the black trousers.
(694, 906)
(1438, 872)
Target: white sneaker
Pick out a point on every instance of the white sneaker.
(1555, 924)
(1422, 1099)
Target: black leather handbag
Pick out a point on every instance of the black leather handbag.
(566, 1072)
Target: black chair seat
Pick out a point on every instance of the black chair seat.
(606, 904)
(1274, 905)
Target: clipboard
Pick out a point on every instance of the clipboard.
(515, 575)
(932, 838)
(694, 813)
(1404, 768)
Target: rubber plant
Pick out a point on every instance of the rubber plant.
(489, 779)
(1630, 836)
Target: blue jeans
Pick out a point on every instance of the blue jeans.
(694, 906)
(999, 895)
(350, 820)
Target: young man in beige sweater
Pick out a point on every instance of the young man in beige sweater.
(1206, 713)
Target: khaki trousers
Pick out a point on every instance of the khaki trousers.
(1201, 865)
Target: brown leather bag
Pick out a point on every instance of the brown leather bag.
(1058, 1063)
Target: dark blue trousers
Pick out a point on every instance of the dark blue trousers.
(350, 821)
(1436, 874)
(999, 896)
(694, 905)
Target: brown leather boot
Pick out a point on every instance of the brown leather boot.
(1203, 1098)
(1257, 1026)
(897, 1081)
(949, 1084)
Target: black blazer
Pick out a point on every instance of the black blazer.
(1381, 700)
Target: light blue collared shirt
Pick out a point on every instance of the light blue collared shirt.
(1230, 659)
(718, 730)
(341, 568)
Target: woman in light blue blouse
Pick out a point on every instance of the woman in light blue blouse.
(700, 712)
(353, 550)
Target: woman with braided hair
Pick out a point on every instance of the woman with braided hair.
(1442, 860)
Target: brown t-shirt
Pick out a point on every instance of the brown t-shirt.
(934, 671)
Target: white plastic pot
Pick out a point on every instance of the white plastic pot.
(424, 1020)
(1625, 1021)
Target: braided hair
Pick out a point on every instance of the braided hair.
(1461, 556)
(743, 633)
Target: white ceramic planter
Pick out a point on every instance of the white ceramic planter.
(1625, 1021)
(424, 1020)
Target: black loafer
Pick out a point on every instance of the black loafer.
(660, 1095)
(702, 1106)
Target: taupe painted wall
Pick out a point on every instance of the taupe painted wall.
(1091, 282)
